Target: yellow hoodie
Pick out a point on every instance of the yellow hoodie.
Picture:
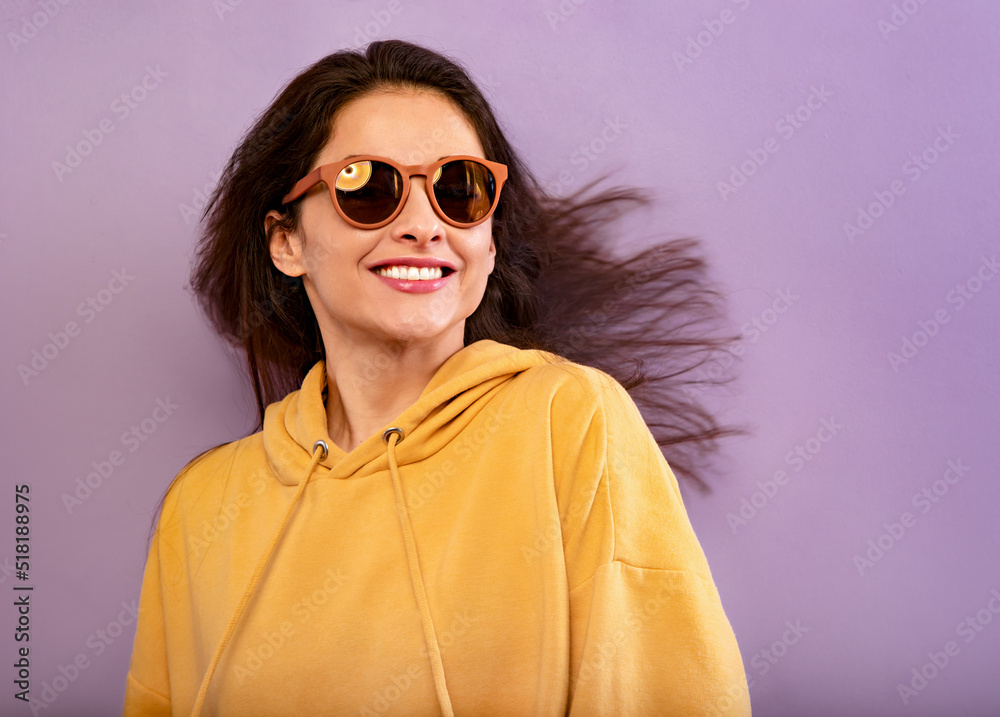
(518, 546)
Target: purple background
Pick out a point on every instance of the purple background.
(558, 74)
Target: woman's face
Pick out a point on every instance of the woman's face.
(353, 304)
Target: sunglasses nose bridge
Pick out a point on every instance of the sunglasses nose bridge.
(408, 199)
(416, 172)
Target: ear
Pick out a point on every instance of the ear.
(285, 247)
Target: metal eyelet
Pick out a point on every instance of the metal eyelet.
(386, 432)
(326, 449)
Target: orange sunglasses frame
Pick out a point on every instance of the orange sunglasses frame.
(328, 173)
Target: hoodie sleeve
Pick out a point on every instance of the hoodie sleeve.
(648, 634)
(147, 686)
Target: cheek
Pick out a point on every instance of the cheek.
(480, 249)
(327, 256)
(327, 239)
(318, 259)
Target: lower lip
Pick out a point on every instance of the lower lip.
(415, 287)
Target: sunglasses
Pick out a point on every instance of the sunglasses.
(369, 192)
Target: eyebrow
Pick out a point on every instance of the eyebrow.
(352, 156)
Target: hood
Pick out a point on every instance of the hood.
(299, 449)
(293, 425)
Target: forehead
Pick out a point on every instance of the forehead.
(407, 126)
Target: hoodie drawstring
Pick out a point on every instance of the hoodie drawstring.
(319, 453)
(416, 577)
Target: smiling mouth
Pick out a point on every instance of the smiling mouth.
(412, 273)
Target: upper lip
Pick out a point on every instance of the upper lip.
(417, 261)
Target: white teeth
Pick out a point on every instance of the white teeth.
(411, 273)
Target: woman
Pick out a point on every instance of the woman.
(447, 514)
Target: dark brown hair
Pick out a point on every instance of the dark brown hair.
(554, 286)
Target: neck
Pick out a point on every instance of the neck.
(372, 380)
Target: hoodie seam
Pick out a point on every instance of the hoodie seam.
(593, 398)
(130, 675)
(604, 481)
(688, 573)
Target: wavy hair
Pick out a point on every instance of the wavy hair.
(554, 286)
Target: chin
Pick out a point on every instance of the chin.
(426, 330)
(415, 333)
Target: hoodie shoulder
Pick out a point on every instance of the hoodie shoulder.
(583, 399)
(210, 476)
(574, 382)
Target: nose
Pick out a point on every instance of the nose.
(417, 221)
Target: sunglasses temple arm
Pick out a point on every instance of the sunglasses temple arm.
(303, 185)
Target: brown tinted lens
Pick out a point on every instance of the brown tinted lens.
(368, 191)
(465, 190)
